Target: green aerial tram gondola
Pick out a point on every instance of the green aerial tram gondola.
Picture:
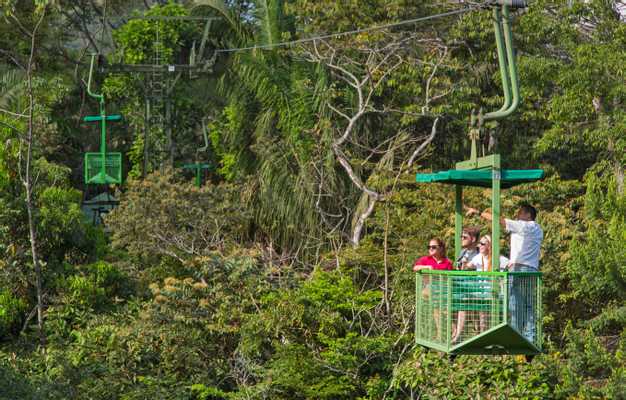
(441, 294)
(200, 167)
(101, 168)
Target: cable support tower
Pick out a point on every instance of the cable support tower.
(160, 77)
(157, 106)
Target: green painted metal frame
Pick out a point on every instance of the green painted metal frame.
(111, 163)
(197, 168)
(508, 71)
(102, 177)
(494, 349)
(481, 177)
(510, 85)
(501, 331)
(95, 118)
(492, 162)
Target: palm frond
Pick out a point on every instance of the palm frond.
(277, 101)
(269, 15)
(11, 82)
(233, 20)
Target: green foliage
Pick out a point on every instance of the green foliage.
(13, 385)
(98, 286)
(597, 256)
(60, 215)
(8, 152)
(161, 217)
(11, 82)
(586, 105)
(83, 292)
(11, 312)
(186, 333)
(210, 293)
(430, 375)
(590, 366)
(263, 131)
(323, 340)
(135, 155)
(137, 37)
(203, 392)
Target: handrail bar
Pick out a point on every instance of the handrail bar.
(476, 273)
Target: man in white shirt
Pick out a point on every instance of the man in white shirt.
(526, 238)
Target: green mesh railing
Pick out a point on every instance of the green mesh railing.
(112, 172)
(496, 311)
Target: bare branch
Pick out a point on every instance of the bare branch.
(433, 132)
(356, 232)
(363, 69)
(29, 184)
(335, 109)
(427, 98)
(353, 176)
(20, 26)
(2, 110)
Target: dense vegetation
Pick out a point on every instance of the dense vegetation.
(287, 274)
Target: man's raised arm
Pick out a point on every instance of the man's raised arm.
(485, 214)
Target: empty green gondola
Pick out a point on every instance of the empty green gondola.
(101, 168)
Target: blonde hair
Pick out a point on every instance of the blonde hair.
(490, 257)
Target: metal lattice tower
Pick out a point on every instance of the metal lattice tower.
(157, 87)
(160, 78)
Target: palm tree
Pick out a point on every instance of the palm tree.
(268, 129)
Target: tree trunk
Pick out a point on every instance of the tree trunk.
(28, 186)
(617, 166)
(386, 264)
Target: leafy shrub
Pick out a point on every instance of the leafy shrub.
(161, 217)
(84, 291)
(431, 375)
(203, 392)
(95, 286)
(11, 313)
(13, 385)
(59, 217)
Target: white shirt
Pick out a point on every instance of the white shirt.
(526, 238)
(480, 260)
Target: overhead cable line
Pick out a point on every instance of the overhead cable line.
(352, 32)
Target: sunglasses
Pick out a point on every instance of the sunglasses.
(432, 247)
(483, 243)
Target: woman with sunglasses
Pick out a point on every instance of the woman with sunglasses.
(436, 259)
(483, 263)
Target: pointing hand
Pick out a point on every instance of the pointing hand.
(471, 211)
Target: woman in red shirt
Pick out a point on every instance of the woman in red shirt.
(436, 258)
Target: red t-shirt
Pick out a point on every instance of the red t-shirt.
(429, 260)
